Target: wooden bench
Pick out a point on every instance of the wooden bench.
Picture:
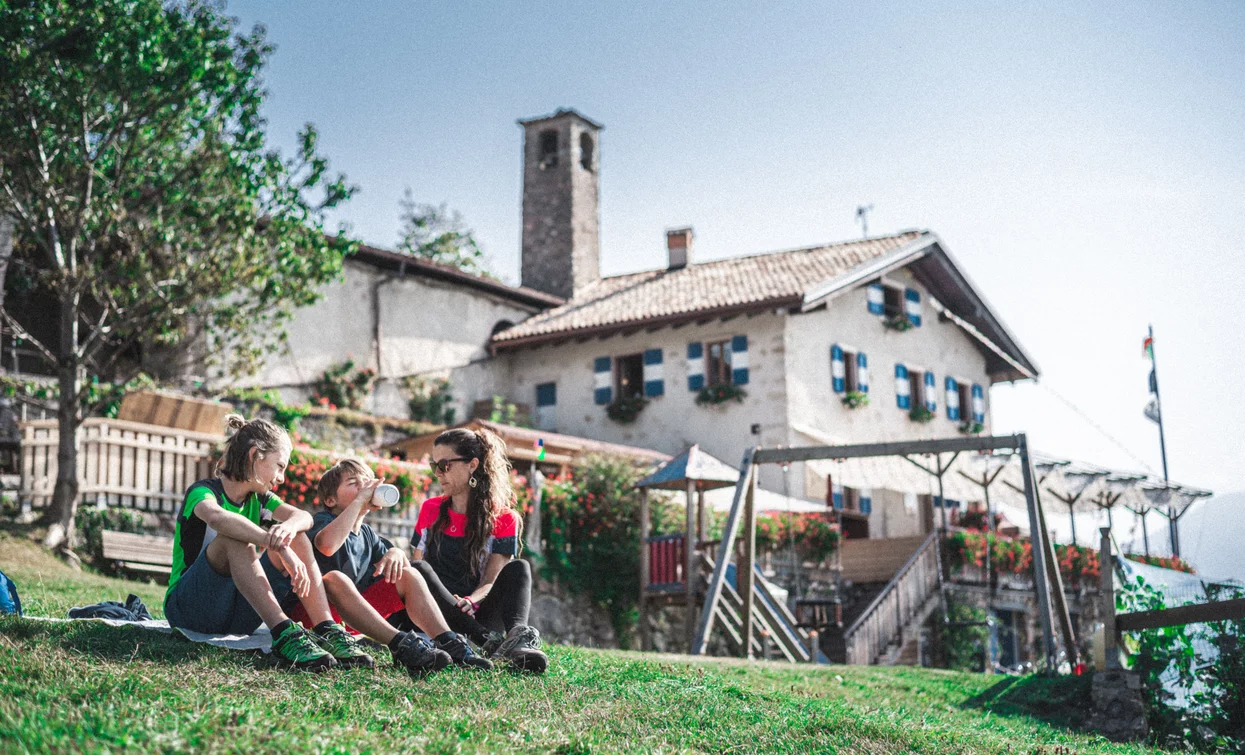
(147, 553)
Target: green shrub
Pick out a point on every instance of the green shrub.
(964, 637)
(342, 386)
(590, 534)
(92, 522)
(429, 400)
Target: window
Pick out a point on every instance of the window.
(546, 406)
(966, 400)
(548, 149)
(916, 387)
(718, 363)
(629, 376)
(851, 371)
(585, 151)
(892, 301)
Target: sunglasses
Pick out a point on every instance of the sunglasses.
(443, 466)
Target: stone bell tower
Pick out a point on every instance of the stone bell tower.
(561, 221)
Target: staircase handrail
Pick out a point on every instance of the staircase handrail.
(892, 585)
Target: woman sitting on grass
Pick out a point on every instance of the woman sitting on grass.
(468, 540)
(221, 584)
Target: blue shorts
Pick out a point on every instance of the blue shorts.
(207, 602)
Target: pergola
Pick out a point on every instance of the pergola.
(942, 455)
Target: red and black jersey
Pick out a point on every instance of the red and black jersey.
(446, 552)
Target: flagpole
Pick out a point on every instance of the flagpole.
(1154, 372)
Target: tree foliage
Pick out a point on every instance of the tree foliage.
(438, 234)
(147, 206)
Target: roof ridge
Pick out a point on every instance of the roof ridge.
(915, 233)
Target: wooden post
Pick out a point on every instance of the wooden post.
(535, 480)
(744, 569)
(646, 640)
(1106, 594)
(1040, 583)
(690, 572)
(702, 521)
(1059, 602)
(713, 593)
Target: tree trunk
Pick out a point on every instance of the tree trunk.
(60, 515)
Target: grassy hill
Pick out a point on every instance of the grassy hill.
(82, 686)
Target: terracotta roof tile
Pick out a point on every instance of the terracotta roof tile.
(737, 282)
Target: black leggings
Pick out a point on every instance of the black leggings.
(504, 607)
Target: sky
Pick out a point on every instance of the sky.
(1085, 163)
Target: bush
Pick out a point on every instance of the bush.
(720, 393)
(429, 400)
(92, 522)
(308, 465)
(625, 409)
(590, 524)
(343, 386)
(963, 637)
(815, 535)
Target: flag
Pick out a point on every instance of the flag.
(540, 449)
(1154, 382)
(1147, 348)
(1152, 411)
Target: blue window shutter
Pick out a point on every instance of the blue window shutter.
(654, 374)
(739, 360)
(838, 371)
(931, 398)
(912, 306)
(695, 366)
(862, 372)
(979, 404)
(602, 381)
(866, 501)
(953, 398)
(903, 391)
(547, 394)
(876, 298)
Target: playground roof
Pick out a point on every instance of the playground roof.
(693, 465)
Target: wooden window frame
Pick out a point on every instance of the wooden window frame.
(718, 371)
(916, 387)
(625, 389)
(899, 307)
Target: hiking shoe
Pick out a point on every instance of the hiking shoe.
(462, 654)
(520, 647)
(344, 648)
(295, 646)
(418, 655)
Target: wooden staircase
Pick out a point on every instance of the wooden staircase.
(885, 632)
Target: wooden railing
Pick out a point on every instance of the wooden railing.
(119, 463)
(883, 622)
(667, 558)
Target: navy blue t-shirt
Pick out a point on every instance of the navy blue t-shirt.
(358, 555)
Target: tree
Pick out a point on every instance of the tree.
(146, 205)
(435, 233)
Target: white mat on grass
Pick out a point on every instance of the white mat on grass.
(261, 639)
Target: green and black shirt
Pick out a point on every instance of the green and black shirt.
(192, 534)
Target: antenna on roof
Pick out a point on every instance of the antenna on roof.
(862, 214)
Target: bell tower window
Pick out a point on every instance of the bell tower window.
(585, 151)
(548, 149)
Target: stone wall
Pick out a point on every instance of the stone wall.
(568, 619)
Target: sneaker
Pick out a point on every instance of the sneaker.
(462, 655)
(520, 647)
(343, 646)
(295, 646)
(418, 655)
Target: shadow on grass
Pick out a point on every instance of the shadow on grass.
(1062, 701)
(116, 644)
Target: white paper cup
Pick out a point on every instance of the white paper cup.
(386, 495)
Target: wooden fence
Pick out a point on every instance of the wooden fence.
(120, 463)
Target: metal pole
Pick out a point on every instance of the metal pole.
(942, 499)
(1158, 401)
(690, 562)
(645, 637)
(1040, 583)
(990, 531)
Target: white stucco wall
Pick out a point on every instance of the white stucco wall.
(940, 347)
(427, 327)
(672, 422)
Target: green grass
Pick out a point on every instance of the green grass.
(83, 686)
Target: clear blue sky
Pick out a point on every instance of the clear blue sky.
(1085, 164)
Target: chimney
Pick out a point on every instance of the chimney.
(679, 245)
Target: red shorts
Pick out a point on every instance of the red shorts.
(380, 595)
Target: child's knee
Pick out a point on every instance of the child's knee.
(334, 581)
(411, 577)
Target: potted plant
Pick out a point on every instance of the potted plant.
(899, 322)
(920, 413)
(855, 399)
(625, 409)
(970, 427)
(713, 395)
